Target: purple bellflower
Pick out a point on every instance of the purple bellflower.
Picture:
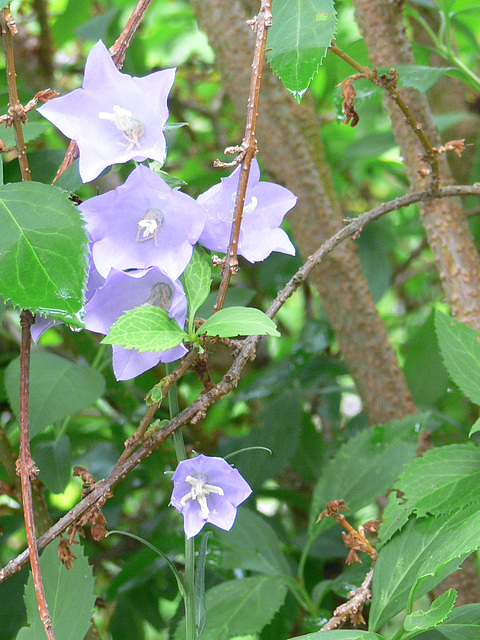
(265, 207)
(126, 290)
(143, 223)
(114, 117)
(207, 489)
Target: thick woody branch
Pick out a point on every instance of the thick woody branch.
(230, 380)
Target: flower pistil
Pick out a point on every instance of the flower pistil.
(150, 223)
(199, 491)
(132, 130)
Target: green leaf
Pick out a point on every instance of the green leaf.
(340, 634)
(200, 605)
(68, 388)
(239, 321)
(69, 596)
(252, 545)
(31, 130)
(463, 623)
(196, 280)
(419, 77)
(475, 427)
(2, 309)
(42, 249)
(145, 329)
(297, 42)
(54, 459)
(419, 557)
(450, 477)
(460, 349)
(4, 3)
(423, 620)
(70, 179)
(240, 607)
(378, 455)
(236, 297)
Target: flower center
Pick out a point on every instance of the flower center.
(149, 225)
(247, 208)
(161, 296)
(199, 491)
(132, 130)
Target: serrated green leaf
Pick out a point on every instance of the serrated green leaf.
(252, 545)
(54, 459)
(239, 321)
(70, 179)
(463, 623)
(379, 456)
(419, 77)
(31, 130)
(475, 427)
(240, 607)
(297, 42)
(450, 478)
(340, 634)
(68, 388)
(423, 620)
(42, 249)
(419, 557)
(145, 329)
(460, 349)
(69, 594)
(197, 280)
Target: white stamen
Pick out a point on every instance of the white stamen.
(149, 225)
(199, 491)
(247, 208)
(132, 130)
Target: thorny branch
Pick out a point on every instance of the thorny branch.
(248, 149)
(389, 83)
(197, 409)
(117, 51)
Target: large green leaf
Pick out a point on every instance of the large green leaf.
(196, 280)
(461, 354)
(378, 456)
(69, 594)
(54, 459)
(463, 623)
(252, 545)
(301, 32)
(450, 476)
(239, 321)
(240, 607)
(31, 130)
(145, 328)
(418, 558)
(58, 388)
(423, 620)
(340, 634)
(42, 250)
(419, 77)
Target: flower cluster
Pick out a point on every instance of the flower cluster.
(207, 489)
(142, 233)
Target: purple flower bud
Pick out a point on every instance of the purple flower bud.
(143, 223)
(207, 489)
(114, 117)
(265, 207)
(126, 290)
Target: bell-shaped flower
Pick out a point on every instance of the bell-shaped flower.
(207, 489)
(114, 117)
(123, 291)
(265, 207)
(143, 223)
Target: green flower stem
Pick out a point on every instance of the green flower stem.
(181, 454)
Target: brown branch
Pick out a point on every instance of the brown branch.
(353, 608)
(231, 378)
(248, 148)
(27, 471)
(117, 51)
(389, 84)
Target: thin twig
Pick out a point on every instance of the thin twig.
(27, 471)
(353, 608)
(232, 376)
(117, 51)
(248, 148)
(389, 84)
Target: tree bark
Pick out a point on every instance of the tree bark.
(292, 151)
(445, 224)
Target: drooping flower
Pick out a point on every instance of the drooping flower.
(207, 489)
(143, 223)
(123, 291)
(114, 117)
(265, 207)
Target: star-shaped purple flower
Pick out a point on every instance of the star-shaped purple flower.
(207, 489)
(143, 223)
(114, 117)
(126, 290)
(265, 207)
